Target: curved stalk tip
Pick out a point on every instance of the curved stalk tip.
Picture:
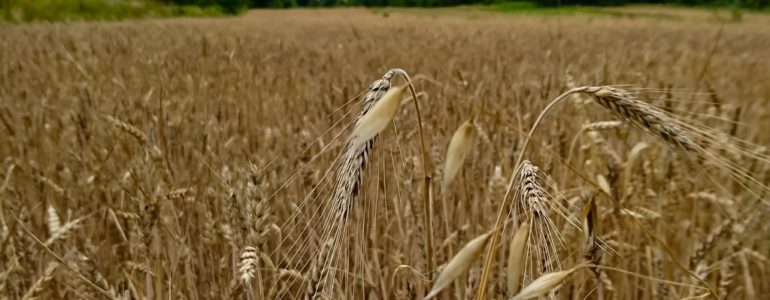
(427, 170)
(496, 231)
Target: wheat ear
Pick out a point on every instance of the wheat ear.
(347, 185)
(517, 250)
(380, 104)
(644, 116)
(545, 284)
(459, 147)
(459, 264)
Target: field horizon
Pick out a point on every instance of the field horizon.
(196, 158)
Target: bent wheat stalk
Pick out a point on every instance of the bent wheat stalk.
(501, 211)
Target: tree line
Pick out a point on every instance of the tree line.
(233, 6)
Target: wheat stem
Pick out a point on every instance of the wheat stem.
(427, 170)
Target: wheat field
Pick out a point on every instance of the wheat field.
(204, 158)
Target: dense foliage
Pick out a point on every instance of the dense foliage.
(59, 10)
(236, 5)
(228, 4)
(52, 10)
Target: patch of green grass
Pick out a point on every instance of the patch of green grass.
(87, 10)
(519, 7)
(530, 8)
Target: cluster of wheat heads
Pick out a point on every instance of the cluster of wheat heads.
(541, 217)
(153, 141)
(698, 143)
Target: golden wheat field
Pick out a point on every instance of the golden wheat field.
(279, 155)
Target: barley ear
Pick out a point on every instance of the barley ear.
(459, 264)
(516, 257)
(459, 147)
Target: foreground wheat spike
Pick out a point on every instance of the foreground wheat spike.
(380, 104)
(348, 182)
(350, 173)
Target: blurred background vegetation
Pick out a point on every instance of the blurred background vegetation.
(57, 10)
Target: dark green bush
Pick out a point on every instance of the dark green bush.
(62, 10)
